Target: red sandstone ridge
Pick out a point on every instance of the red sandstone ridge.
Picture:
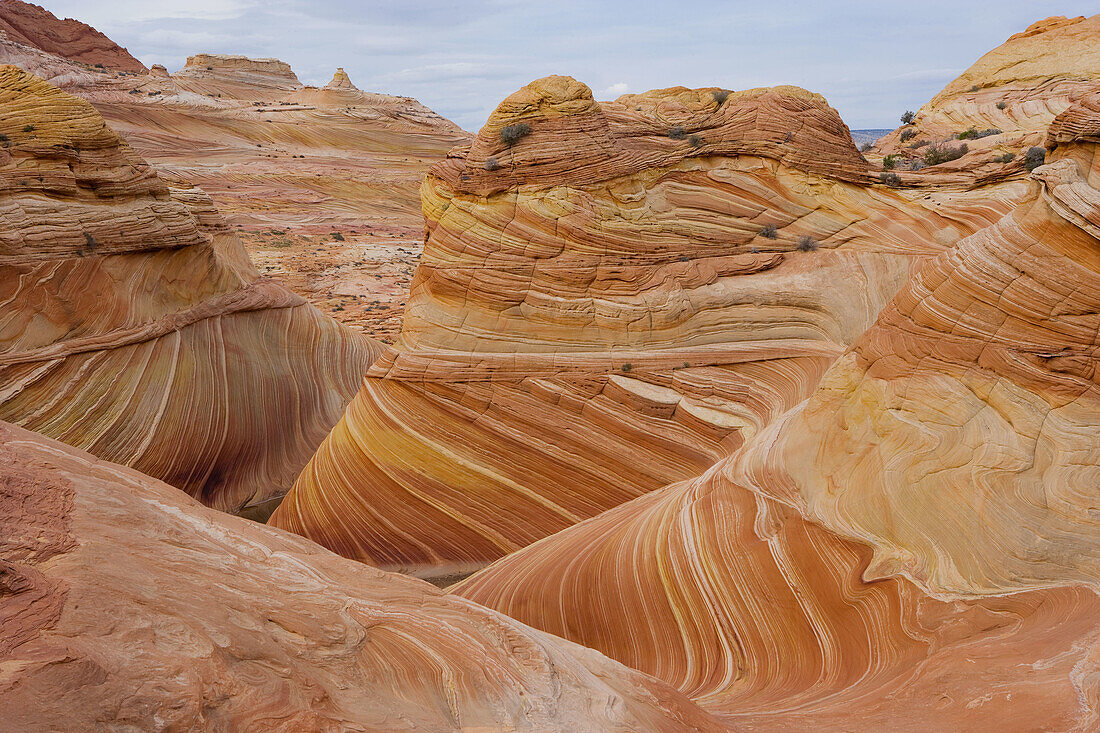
(35, 26)
(125, 605)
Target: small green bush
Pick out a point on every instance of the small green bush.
(806, 243)
(908, 117)
(1001, 105)
(908, 134)
(627, 367)
(1006, 158)
(975, 88)
(937, 154)
(28, 128)
(769, 232)
(866, 147)
(337, 236)
(890, 161)
(1034, 157)
(721, 96)
(89, 240)
(492, 164)
(695, 140)
(677, 133)
(512, 134)
(918, 144)
(973, 134)
(890, 179)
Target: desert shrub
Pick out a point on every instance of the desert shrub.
(492, 164)
(1001, 105)
(695, 140)
(512, 134)
(677, 133)
(627, 367)
(937, 154)
(99, 66)
(721, 96)
(907, 135)
(918, 144)
(1006, 158)
(973, 134)
(975, 88)
(916, 164)
(769, 232)
(337, 236)
(89, 240)
(890, 161)
(907, 118)
(1034, 157)
(806, 243)
(866, 147)
(4, 138)
(28, 128)
(890, 179)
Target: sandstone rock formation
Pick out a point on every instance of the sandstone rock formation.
(133, 324)
(126, 605)
(340, 80)
(37, 27)
(608, 304)
(288, 165)
(1009, 97)
(915, 546)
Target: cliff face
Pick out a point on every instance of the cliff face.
(35, 26)
(126, 604)
(135, 326)
(610, 303)
(921, 529)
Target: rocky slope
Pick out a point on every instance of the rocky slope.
(37, 27)
(1003, 104)
(321, 182)
(924, 524)
(609, 304)
(125, 604)
(133, 324)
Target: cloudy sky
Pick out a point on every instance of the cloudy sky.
(872, 59)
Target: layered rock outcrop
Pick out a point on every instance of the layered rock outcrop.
(37, 27)
(125, 604)
(134, 325)
(920, 535)
(323, 182)
(608, 303)
(1004, 103)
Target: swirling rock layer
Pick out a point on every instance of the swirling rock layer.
(133, 324)
(125, 604)
(595, 332)
(915, 546)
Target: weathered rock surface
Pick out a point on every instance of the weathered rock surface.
(133, 324)
(614, 319)
(37, 27)
(126, 605)
(914, 547)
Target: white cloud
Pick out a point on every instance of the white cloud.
(615, 90)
